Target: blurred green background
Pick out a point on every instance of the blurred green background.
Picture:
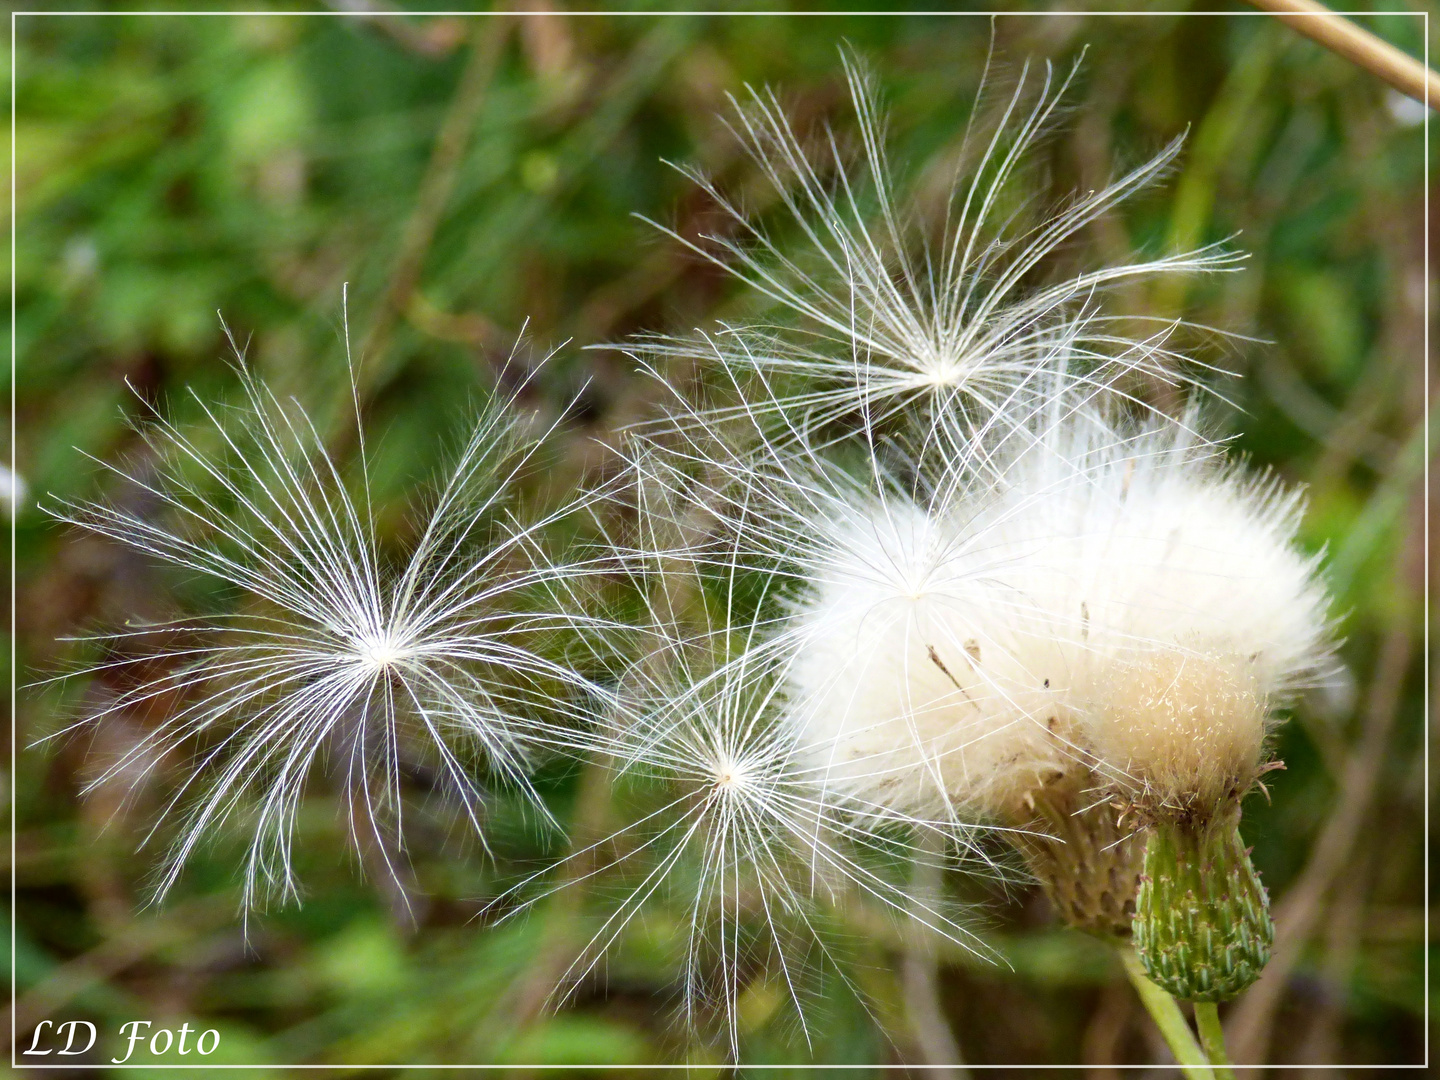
(474, 179)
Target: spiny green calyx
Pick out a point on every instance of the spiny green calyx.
(1202, 919)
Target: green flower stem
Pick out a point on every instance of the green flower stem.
(1165, 1011)
(1212, 1038)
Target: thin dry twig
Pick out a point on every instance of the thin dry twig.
(1359, 46)
(1104, 1036)
(1321, 1041)
(526, 999)
(438, 36)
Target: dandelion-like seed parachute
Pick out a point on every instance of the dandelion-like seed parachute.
(903, 668)
(330, 653)
(745, 833)
(891, 323)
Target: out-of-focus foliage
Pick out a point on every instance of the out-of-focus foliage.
(172, 167)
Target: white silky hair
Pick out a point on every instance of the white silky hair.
(890, 322)
(902, 681)
(1174, 608)
(748, 837)
(328, 652)
(906, 679)
(1125, 601)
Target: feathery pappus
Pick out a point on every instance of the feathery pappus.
(329, 654)
(740, 830)
(893, 627)
(894, 316)
(1128, 602)
(1110, 626)
(1178, 610)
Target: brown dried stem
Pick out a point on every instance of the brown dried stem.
(1359, 46)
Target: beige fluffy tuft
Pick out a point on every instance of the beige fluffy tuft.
(1176, 608)
(1188, 729)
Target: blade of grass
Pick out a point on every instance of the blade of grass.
(436, 186)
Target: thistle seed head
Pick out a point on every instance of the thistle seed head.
(1170, 594)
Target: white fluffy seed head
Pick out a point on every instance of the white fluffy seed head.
(1124, 603)
(1167, 603)
(905, 682)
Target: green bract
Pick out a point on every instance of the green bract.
(1202, 919)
